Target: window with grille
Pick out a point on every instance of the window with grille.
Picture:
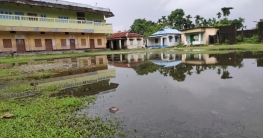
(7, 43)
(131, 41)
(83, 42)
(156, 40)
(139, 42)
(63, 42)
(99, 42)
(38, 43)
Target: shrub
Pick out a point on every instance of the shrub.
(252, 40)
(239, 38)
(226, 42)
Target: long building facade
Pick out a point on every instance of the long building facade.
(51, 25)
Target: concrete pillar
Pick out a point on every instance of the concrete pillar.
(119, 44)
(161, 41)
(112, 57)
(128, 40)
(120, 57)
(136, 58)
(200, 38)
(111, 44)
(161, 56)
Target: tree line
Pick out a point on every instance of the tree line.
(178, 20)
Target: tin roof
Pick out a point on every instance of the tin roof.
(61, 4)
(166, 31)
(123, 35)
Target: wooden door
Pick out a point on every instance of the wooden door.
(72, 44)
(20, 46)
(92, 44)
(48, 44)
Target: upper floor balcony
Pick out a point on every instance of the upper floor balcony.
(43, 24)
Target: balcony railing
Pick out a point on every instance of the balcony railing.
(62, 2)
(50, 20)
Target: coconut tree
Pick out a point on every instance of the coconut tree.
(197, 20)
(164, 18)
(219, 15)
(210, 23)
(159, 21)
(205, 23)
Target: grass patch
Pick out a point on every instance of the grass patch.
(52, 117)
(4, 72)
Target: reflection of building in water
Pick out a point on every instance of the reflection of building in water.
(165, 60)
(126, 60)
(89, 89)
(71, 81)
(164, 57)
(198, 59)
(260, 62)
(73, 62)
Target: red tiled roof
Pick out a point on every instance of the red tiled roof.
(123, 35)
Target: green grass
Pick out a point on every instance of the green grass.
(4, 72)
(52, 117)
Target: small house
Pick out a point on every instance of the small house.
(199, 36)
(164, 38)
(125, 40)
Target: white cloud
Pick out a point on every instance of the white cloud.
(126, 11)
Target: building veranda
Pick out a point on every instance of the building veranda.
(51, 25)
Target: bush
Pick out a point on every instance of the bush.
(239, 38)
(226, 42)
(252, 40)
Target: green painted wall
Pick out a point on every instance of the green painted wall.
(49, 12)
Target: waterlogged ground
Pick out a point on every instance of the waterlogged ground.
(157, 94)
(221, 99)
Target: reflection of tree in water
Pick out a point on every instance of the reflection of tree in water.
(179, 72)
(146, 68)
(239, 63)
(226, 74)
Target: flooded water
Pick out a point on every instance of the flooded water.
(170, 95)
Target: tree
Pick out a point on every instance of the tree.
(137, 26)
(164, 18)
(238, 23)
(146, 28)
(176, 19)
(205, 23)
(159, 21)
(226, 11)
(219, 15)
(197, 20)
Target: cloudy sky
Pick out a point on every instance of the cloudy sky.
(126, 11)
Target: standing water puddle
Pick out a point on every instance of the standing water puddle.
(196, 95)
(168, 95)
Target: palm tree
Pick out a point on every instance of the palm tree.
(197, 20)
(219, 15)
(188, 17)
(204, 23)
(159, 21)
(164, 18)
(210, 23)
(213, 21)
